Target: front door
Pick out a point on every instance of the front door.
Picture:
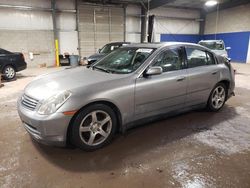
(165, 92)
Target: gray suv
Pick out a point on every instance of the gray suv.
(87, 106)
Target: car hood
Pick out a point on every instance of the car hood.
(71, 79)
(96, 56)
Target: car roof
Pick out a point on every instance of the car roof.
(161, 44)
(211, 41)
(114, 43)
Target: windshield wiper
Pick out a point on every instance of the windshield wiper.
(101, 69)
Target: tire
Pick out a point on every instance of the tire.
(217, 97)
(9, 72)
(93, 127)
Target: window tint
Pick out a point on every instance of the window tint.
(124, 60)
(210, 59)
(169, 60)
(109, 48)
(198, 58)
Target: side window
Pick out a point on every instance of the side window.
(198, 58)
(195, 57)
(114, 47)
(169, 60)
(210, 59)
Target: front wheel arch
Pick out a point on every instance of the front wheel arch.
(110, 104)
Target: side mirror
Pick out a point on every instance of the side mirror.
(153, 71)
(228, 48)
(99, 50)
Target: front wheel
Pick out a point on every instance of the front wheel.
(9, 72)
(93, 127)
(217, 97)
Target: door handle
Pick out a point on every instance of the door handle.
(180, 79)
(215, 72)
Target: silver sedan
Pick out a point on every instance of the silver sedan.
(87, 106)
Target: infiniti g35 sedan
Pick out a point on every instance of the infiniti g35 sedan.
(87, 106)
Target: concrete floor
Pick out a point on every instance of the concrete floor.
(196, 149)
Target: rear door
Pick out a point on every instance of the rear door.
(202, 75)
(165, 92)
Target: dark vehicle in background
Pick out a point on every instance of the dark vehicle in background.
(108, 48)
(10, 63)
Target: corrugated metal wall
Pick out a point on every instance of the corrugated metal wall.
(99, 25)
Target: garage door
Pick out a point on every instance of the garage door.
(99, 25)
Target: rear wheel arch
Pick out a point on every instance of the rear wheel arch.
(10, 64)
(226, 82)
(107, 103)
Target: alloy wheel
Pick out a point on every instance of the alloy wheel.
(95, 127)
(9, 72)
(218, 97)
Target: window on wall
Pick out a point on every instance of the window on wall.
(169, 60)
(196, 58)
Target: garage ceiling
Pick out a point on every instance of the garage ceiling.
(191, 4)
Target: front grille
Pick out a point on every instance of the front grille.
(29, 102)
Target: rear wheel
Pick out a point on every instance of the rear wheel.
(9, 72)
(217, 97)
(93, 127)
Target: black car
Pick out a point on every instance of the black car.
(105, 50)
(10, 63)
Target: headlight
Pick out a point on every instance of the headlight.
(52, 104)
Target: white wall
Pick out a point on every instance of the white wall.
(25, 20)
(66, 24)
(163, 24)
(28, 31)
(32, 30)
(174, 24)
(133, 23)
(230, 20)
(33, 3)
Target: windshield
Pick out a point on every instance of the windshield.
(213, 45)
(124, 60)
(109, 48)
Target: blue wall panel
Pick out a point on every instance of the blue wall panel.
(238, 42)
(181, 38)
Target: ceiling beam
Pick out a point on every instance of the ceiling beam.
(229, 4)
(158, 3)
(183, 7)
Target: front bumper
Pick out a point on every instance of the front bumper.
(46, 129)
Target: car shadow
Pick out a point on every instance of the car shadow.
(136, 142)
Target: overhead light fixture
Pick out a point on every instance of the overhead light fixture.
(211, 3)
